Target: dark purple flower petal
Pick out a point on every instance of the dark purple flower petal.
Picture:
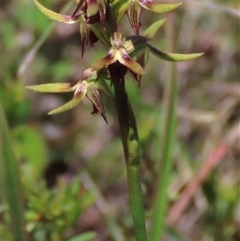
(117, 71)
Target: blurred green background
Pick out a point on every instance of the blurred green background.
(72, 165)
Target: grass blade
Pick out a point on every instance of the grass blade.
(169, 126)
(12, 189)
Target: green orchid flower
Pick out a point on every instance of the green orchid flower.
(91, 85)
(118, 59)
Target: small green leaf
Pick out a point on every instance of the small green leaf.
(56, 16)
(172, 57)
(152, 30)
(130, 63)
(79, 94)
(53, 88)
(158, 7)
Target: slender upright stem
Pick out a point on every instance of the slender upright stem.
(169, 125)
(129, 135)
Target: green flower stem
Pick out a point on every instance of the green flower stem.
(10, 182)
(169, 126)
(129, 135)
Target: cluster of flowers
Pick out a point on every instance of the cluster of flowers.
(99, 21)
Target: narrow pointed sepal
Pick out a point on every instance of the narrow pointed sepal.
(84, 32)
(152, 30)
(173, 57)
(134, 13)
(94, 95)
(56, 16)
(158, 7)
(142, 60)
(102, 10)
(53, 88)
(110, 58)
(130, 63)
(117, 10)
(79, 94)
